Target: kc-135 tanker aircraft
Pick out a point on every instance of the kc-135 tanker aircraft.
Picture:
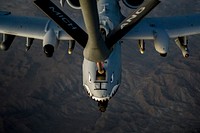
(105, 28)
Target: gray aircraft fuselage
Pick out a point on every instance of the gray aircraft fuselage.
(101, 87)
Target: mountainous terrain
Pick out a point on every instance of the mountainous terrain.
(39, 94)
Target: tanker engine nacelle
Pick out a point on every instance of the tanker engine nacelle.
(133, 4)
(50, 42)
(161, 42)
(74, 4)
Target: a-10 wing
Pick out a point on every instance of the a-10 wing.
(161, 29)
(31, 28)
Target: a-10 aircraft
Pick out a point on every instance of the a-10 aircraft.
(105, 28)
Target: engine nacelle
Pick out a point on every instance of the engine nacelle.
(182, 42)
(7, 41)
(161, 42)
(133, 4)
(74, 4)
(50, 41)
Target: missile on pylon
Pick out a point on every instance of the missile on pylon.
(71, 45)
(141, 45)
(6, 42)
(182, 42)
(29, 42)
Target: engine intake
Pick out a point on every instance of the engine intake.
(49, 50)
(133, 4)
(74, 4)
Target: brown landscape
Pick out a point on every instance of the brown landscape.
(45, 95)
